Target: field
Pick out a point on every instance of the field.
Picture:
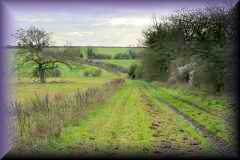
(121, 63)
(101, 50)
(69, 81)
(74, 114)
(113, 50)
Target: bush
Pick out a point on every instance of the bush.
(198, 36)
(81, 55)
(131, 71)
(139, 71)
(86, 73)
(122, 56)
(135, 71)
(92, 55)
(97, 73)
(132, 54)
(208, 80)
(102, 56)
(73, 52)
(92, 73)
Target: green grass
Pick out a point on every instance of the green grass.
(70, 80)
(214, 106)
(121, 63)
(26, 90)
(45, 118)
(75, 71)
(120, 123)
(115, 50)
(100, 50)
(213, 124)
(123, 124)
(173, 126)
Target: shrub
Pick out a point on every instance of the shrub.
(135, 71)
(131, 71)
(97, 73)
(86, 73)
(90, 53)
(92, 72)
(122, 56)
(139, 71)
(200, 36)
(132, 54)
(73, 52)
(102, 56)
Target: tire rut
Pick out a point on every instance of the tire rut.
(223, 147)
(167, 145)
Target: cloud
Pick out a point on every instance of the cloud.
(105, 30)
(75, 37)
(88, 33)
(124, 21)
(134, 21)
(74, 34)
(32, 19)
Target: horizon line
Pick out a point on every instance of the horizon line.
(13, 46)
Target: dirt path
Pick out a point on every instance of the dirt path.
(134, 122)
(174, 135)
(222, 147)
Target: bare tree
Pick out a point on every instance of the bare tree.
(33, 43)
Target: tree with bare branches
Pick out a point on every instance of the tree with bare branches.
(34, 43)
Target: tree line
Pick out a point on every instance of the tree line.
(193, 46)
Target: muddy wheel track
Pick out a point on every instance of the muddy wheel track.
(223, 148)
(165, 146)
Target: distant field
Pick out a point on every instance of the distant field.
(113, 51)
(69, 81)
(105, 50)
(76, 71)
(26, 90)
(121, 63)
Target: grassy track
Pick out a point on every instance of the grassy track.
(213, 106)
(121, 125)
(174, 134)
(132, 121)
(214, 124)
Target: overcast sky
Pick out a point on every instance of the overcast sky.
(92, 23)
